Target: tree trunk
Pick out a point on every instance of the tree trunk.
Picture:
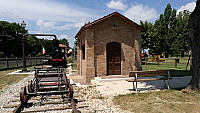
(194, 34)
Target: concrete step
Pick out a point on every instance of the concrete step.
(98, 79)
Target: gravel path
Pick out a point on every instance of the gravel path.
(121, 87)
(94, 99)
(98, 97)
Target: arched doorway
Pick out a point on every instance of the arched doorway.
(113, 58)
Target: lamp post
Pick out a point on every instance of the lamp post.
(23, 25)
(75, 52)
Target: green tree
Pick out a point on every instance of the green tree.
(168, 35)
(146, 35)
(13, 48)
(49, 45)
(10, 47)
(181, 41)
(158, 39)
(165, 36)
(34, 47)
(64, 41)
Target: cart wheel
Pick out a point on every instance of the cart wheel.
(23, 95)
(30, 86)
(71, 92)
(68, 82)
(33, 86)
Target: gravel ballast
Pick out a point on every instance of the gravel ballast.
(12, 92)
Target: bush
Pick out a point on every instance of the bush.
(74, 66)
(12, 55)
(70, 60)
(2, 54)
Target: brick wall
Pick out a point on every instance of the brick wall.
(106, 32)
(95, 38)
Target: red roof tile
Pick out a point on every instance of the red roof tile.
(62, 45)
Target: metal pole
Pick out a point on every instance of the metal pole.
(74, 55)
(23, 50)
(16, 61)
(7, 62)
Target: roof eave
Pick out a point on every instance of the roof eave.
(105, 17)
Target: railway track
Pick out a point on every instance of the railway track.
(50, 90)
(50, 103)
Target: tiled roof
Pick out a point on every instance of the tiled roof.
(108, 16)
(62, 45)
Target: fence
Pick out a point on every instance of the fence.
(9, 63)
(172, 61)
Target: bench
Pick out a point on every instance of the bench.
(139, 76)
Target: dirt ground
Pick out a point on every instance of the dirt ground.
(151, 98)
(120, 87)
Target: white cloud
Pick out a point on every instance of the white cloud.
(63, 36)
(118, 4)
(189, 6)
(68, 26)
(44, 10)
(51, 25)
(43, 24)
(140, 12)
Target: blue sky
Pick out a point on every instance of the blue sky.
(65, 17)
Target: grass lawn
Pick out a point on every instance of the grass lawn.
(169, 65)
(6, 79)
(169, 101)
(179, 71)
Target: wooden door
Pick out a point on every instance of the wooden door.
(113, 58)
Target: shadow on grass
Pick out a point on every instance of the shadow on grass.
(177, 83)
(154, 63)
(150, 89)
(180, 73)
(178, 89)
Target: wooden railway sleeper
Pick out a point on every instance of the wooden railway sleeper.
(59, 81)
(63, 97)
(41, 99)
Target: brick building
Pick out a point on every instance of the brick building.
(108, 46)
